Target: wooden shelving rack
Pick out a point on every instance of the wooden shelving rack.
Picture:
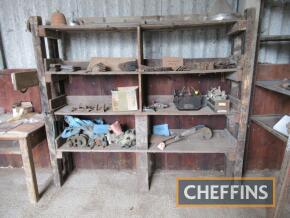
(267, 121)
(229, 141)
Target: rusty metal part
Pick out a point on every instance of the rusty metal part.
(129, 66)
(146, 68)
(79, 140)
(89, 108)
(205, 133)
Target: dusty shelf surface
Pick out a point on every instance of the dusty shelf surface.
(221, 142)
(111, 148)
(88, 73)
(115, 26)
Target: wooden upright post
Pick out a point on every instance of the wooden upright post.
(40, 54)
(143, 165)
(246, 87)
(140, 62)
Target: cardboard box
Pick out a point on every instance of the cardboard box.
(125, 99)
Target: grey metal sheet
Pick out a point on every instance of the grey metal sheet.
(17, 41)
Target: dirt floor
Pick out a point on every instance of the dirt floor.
(104, 193)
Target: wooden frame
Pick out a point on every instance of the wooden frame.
(244, 50)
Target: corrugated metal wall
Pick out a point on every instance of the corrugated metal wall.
(275, 21)
(195, 44)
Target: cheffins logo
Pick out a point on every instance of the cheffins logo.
(225, 192)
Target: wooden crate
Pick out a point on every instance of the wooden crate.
(219, 106)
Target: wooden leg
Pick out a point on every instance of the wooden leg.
(29, 169)
(50, 134)
(143, 167)
(281, 188)
(229, 165)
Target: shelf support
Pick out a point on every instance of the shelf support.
(142, 131)
(140, 63)
(40, 54)
(144, 171)
(246, 87)
(143, 160)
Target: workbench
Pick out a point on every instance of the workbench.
(21, 140)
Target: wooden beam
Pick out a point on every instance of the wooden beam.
(29, 169)
(142, 131)
(144, 171)
(238, 27)
(40, 55)
(42, 32)
(282, 185)
(24, 79)
(246, 87)
(275, 38)
(140, 63)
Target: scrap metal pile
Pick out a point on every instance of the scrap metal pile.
(216, 94)
(91, 133)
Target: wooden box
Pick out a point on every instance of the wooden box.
(219, 106)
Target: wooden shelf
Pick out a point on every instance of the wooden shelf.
(267, 122)
(275, 38)
(273, 85)
(133, 26)
(191, 72)
(172, 110)
(111, 148)
(85, 72)
(66, 110)
(205, 111)
(221, 142)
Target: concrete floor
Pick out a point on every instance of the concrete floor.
(104, 193)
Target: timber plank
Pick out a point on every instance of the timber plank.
(273, 85)
(267, 122)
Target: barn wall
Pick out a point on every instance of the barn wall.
(17, 43)
(275, 21)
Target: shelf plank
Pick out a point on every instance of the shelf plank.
(267, 122)
(221, 142)
(190, 71)
(171, 111)
(160, 25)
(67, 110)
(111, 148)
(85, 72)
(273, 85)
(274, 38)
